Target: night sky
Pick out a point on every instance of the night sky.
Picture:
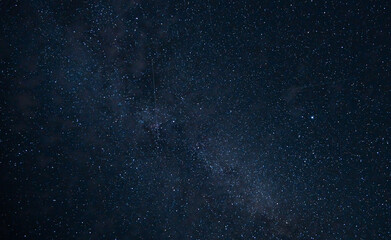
(195, 119)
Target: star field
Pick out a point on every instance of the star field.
(195, 119)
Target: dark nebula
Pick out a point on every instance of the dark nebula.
(195, 119)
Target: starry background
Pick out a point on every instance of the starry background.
(195, 119)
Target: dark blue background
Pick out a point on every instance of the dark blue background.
(271, 119)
